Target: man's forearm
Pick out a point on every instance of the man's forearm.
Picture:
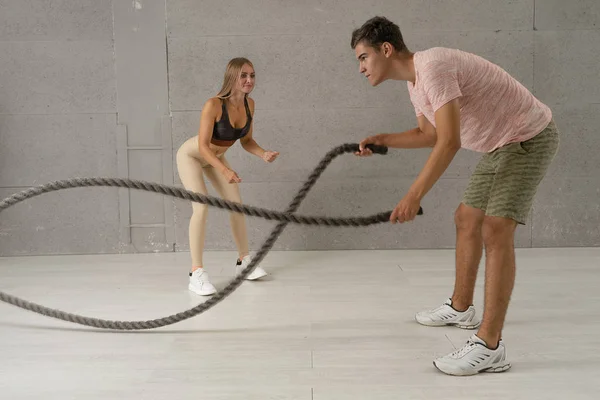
(411, 139)
(447, 144)
(437, 163)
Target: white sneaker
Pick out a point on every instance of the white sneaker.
(256, 274)
(446, 315)
(474, 357)
(200, 284)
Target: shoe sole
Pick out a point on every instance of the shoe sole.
(256, 277)
(251, 277)
(455, 324)
(498, 369)
(469, 327)
(193, 290)
(501, 368)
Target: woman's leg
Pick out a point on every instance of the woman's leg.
(191, 175)
(231, 192)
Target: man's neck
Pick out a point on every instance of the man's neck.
(403, 67)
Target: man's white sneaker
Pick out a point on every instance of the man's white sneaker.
(474, 357)
(256, 274)
(200, 284)
(446, 315)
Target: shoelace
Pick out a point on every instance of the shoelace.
(202, 277)
(464, 350)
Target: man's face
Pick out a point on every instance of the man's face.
(372, 64)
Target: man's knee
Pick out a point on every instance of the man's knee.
(498, 231)
(468, 219)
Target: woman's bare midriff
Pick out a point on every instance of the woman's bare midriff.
(191, 149)
(220, 145)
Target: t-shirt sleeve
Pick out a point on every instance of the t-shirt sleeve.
(440, 81)
(418, 111)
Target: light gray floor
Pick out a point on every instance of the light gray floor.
(326, 325)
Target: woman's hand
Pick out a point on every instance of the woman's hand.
(231, 176)
(269, 156)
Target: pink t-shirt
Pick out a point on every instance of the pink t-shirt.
(495, 109)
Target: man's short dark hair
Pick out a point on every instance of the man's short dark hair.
(376, 31)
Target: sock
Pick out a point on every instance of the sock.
(455, 309)
(486, 345)
(193, 270)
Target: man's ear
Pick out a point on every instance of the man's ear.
(387, 49)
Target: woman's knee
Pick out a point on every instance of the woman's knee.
(199, 210)
(468, 219)
(231, 192)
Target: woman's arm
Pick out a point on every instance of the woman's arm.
(250, 145)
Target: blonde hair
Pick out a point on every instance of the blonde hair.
(232, 73)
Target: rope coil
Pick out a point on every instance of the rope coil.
(284, 218)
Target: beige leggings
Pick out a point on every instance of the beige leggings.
(192, 168)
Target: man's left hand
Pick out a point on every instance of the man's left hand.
(406, 210)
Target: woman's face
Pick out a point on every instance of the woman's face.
(246, 79)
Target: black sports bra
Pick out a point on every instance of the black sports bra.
(223, 130)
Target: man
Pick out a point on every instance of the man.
(464, 101)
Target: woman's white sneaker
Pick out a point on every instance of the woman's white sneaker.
(474, 357)
(257, 273)
(446, 315)
(200, 284)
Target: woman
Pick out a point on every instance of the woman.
(224, 119)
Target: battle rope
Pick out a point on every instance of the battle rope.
(284, 218)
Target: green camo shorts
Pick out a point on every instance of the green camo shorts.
(506, 180)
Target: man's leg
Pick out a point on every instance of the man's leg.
(469, 249)
(484, 351)
(520, 167)
(498, 237)
(459, 310)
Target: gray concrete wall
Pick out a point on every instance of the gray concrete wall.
(112, 88)
(58, 119)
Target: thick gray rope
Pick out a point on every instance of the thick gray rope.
(284, 218)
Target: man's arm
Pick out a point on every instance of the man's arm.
(415, 138)
(422, 136)
(447, 144)
(427, 128)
